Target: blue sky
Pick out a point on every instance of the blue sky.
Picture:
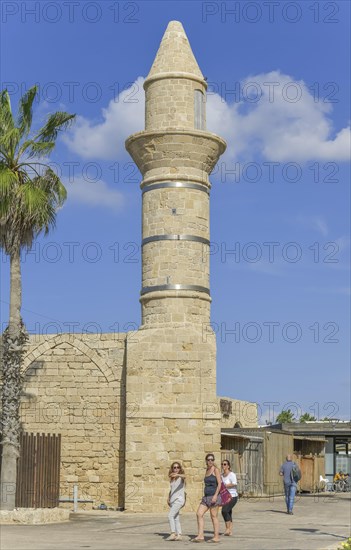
(279, 84)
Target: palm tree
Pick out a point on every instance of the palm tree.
(307, 417)
(30, 193)
(285, 417)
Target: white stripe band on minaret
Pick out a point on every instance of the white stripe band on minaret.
(175, 185)
(193, 238)
(192, 288)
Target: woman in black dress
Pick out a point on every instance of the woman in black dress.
(210, 501)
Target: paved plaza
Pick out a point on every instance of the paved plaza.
(319, 522)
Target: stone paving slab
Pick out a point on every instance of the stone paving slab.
(318, 523)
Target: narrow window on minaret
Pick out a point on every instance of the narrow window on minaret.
(199, 105)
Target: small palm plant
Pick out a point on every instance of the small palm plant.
(307, 417)
(285, 417)
(30, 194)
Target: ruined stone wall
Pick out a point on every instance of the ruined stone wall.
(236, 413)
(74, 385)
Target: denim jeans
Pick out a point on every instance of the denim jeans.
(290, 490)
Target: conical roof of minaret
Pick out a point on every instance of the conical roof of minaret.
(174, 54)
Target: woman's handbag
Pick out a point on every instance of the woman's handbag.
(225, 494)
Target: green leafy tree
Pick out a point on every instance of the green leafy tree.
(306, 417)
(30, 194)
(285, 417)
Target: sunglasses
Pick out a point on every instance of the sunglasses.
(209, 459)
(224, 464)
(176, 468)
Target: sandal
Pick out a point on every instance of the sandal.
(213, 540)
(197, 540)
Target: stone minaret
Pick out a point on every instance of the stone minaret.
(172, 408)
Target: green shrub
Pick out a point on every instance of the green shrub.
(345, 545)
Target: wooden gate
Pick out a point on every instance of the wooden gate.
(307, 466)
(247, 462)
(38, 471)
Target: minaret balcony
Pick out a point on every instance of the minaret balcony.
(175, 153)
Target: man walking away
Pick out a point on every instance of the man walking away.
(290, 485)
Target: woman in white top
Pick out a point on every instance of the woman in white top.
(176, 499)
(230, 481)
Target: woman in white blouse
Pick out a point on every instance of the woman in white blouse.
(230, 481)
(176, 499)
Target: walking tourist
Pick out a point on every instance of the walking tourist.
(176, 499)
(210, 501)
(290, 485)
(230, 481)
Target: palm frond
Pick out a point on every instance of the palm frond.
(31, 198)
(35, 148)
(53, 187)
(6, 118)
(25, 111)
(5, 204)
(56, 122)
(8, 179)
(24, 146)
(39, 148)
(45, 221)
(9, 141)
(38, 213)
(23, 176)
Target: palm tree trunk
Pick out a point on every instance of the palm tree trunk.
(15, 292)
(14, 338)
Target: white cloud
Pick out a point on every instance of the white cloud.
(105, 140)
(317, 223)
(320, 225)
(96, 193)
(275, 127)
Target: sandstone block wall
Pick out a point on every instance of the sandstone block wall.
(171, 376)
(176, 307)
(191, 211)
(74, 385)
(175, 155)
(236, 413)
(171, 104)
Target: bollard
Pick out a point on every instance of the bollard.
(75, 498)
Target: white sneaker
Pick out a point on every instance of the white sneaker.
(178, 537)
(172, 536)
